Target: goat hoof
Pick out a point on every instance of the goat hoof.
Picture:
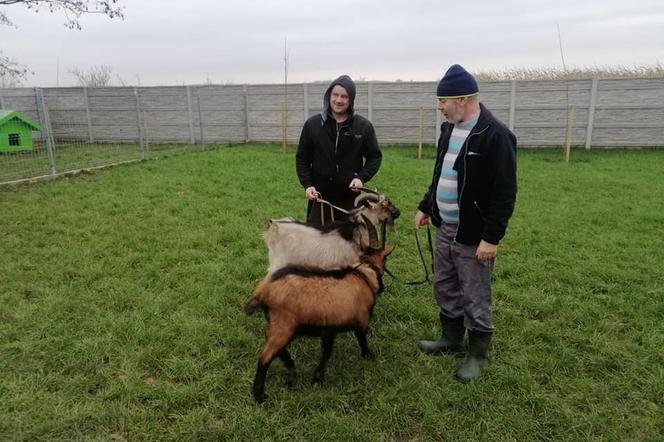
(260, 396)
(369, 355)
(317, 381)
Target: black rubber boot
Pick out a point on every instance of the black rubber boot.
(451, 339)
(478, 346)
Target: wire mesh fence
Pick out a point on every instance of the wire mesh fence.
(65, 131)
(22, 151)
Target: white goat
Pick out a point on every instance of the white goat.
(335, 245)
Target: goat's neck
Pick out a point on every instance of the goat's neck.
(361, 236)
(361, 233)
(371, 275)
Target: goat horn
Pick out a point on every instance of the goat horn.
(367, 190)
(373, 235)
(366, 196)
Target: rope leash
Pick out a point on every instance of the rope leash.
(424, 266)
(320, 200)
(426, 279)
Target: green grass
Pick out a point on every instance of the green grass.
(121, 295)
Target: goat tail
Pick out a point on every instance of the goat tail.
(252, 305)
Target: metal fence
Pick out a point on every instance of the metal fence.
(90, 127)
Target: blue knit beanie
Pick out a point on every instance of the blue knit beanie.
(456, 83)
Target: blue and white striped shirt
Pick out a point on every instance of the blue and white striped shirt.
(447, 193)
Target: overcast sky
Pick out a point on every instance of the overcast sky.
(167, 42)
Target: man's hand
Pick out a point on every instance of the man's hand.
(311, 193)
(486, 251)
(421, 219)
(356, 184)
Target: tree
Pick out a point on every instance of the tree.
(72, 9)
(7, 82)
(10, 70)
(96, 76)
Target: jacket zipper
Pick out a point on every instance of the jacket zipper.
(336, 144)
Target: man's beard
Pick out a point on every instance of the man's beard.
(450, 120)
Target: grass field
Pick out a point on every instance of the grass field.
(121, 295)
(74, 156)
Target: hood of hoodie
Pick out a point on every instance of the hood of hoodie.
(347, 83)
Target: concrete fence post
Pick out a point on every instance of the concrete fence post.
(2, 101)
(245, 93)
(200, 118)
(138, 123)
(370, 101)
(305, 92)
(190, 115)
(45, 121)
(512, 106)
(87, 114)
(591, 114)
(437, 122)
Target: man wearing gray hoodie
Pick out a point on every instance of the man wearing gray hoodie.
(337, 154)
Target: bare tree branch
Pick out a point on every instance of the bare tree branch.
(7, 82)
(96, 76)
(4, 20)
(72, 9)
(10, 69)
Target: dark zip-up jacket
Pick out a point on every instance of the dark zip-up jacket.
(330, 154)
(486, 180)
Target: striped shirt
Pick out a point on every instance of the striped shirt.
(447, 193)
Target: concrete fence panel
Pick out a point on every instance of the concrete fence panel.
(620, 112)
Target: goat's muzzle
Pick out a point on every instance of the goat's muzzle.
(395, 212)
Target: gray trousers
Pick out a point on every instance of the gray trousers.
(462, 284)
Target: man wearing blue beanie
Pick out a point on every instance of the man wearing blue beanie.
(470, 201)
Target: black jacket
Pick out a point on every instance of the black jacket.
(486, 168)
(330, 155)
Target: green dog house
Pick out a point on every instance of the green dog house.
(16, 131)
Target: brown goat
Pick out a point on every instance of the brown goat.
(313, 302)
